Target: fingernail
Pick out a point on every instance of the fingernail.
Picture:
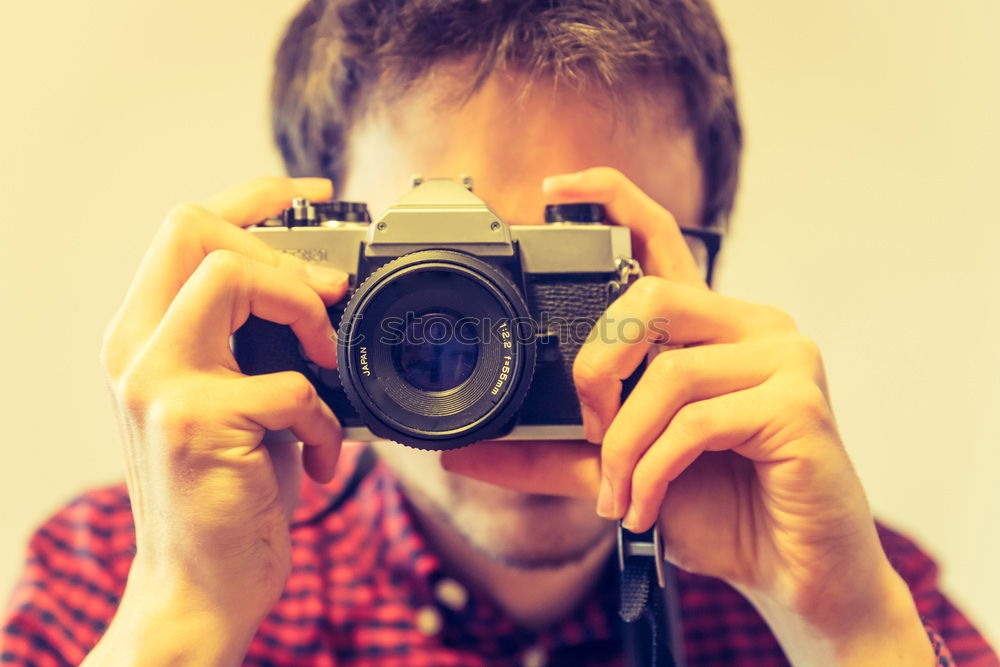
(605, 500)
(591, 425)
(325, 274)
(631, 520)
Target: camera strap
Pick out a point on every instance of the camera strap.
(649, 607)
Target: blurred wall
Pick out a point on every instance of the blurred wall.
(868, 210)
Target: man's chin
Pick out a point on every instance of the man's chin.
(524, 531)
(527, 557)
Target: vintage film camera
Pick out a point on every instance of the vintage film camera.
(457, 327)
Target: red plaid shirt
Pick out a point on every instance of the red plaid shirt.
(366, 589)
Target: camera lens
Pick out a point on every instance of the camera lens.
(430, 349)
(438, 351)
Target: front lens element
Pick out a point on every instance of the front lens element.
(438, 351)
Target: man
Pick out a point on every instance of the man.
(496, 553)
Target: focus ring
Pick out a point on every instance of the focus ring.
(431, 280)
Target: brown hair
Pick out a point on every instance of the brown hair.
(336, 52)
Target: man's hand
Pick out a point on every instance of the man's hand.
(728, 441)
(211, 504)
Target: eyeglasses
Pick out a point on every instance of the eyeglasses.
(704, 244)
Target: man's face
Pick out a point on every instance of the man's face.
(508, 147)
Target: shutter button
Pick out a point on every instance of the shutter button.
(451, 594)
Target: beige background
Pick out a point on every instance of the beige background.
(868, 211)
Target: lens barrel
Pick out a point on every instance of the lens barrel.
(435, 350)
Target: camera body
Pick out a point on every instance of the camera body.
(456, 327)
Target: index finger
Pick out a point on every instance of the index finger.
(266, 196)
(188, 235)
(659, 245)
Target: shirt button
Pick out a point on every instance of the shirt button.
(451, 594)
(534, 656)
(429, 621)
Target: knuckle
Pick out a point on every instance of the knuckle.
(226, 263)
(173, 417)
(806, 347)
(812, 405)
(299, 389)
(184, 220)
(805, 351)
(669, 369)
(131, 391)
(693, 421)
